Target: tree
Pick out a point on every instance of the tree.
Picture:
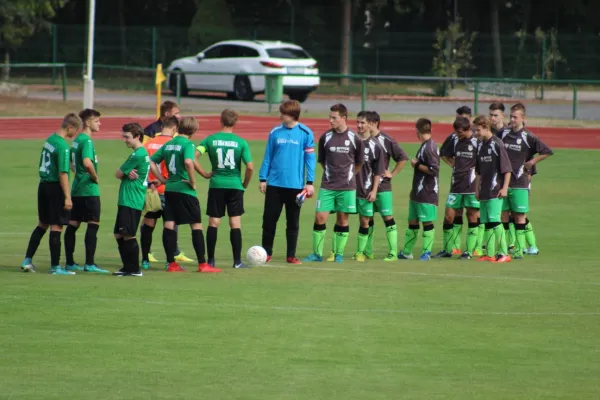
(212, 23)
(20, 19)
(346, 40)
(495, 27)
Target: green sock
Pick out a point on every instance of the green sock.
(529, 235)
(341, 238)
(503, 246)
(489, 239)
(520, 248)
(369, 246)
(428, 239)
(480, 236)
(472, 234)
(512, 236)
(410, 238)
(391, 233)
(447, 238)
(362, 242)
(318, 241)
(457, 237)
(334, 242)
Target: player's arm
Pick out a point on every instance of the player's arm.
(447, 151)
(265, 167)
(72, 161)
(541, 150)
(358, 156)
(64, 161)
(247, 159)
(310, 163)
(190, 169)
(321, 153)
(87, 154)
(477, 183)
(400, 157)
(506, 169)
(128, 167)
(448, 160)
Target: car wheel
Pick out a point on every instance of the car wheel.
(299, 96)
(242, 88)
(184, 91)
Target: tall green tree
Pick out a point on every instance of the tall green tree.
(20, 19)
(212, 23)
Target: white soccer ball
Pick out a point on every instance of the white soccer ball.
(256, 255)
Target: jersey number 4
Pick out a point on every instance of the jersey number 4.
(172, 166)
(229, 159)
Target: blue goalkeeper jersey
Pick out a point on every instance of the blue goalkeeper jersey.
(290, 159)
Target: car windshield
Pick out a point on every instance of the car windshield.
(287, 52)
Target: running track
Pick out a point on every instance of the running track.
(258, 128)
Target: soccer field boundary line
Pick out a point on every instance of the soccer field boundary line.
(422, 311)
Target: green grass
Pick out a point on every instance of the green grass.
(440, 330)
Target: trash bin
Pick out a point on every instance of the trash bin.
(273, 89)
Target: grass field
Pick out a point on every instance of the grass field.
(438, 330)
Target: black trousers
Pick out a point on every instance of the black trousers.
(275, 199)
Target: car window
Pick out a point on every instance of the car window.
(214, 52)
(230, 51)
(247, 52)
(287, 52)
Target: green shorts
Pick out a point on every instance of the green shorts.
(383, 204)
(337, 201)
(364, 207)
(459, 201)
(421, 212)
(517, 201)
(491, 210)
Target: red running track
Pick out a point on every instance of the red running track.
(258, 128)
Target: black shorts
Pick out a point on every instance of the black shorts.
(86, 209)
(219, 199)
(159, 213)
(127, 221)
(181, 208)
(51, 204)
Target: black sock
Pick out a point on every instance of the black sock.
(170, 244)
(291, 237)
(146, 240)
(131, 252)
(177, 250)
(120, 246)
(211, 242)
(91, 240)
(70, 244)
(34, 241)
(54, 248)
(235, 236)
(198, 242)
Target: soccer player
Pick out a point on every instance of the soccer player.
(133, 175)
(424, 194)
(54, 195)
(384, 200)
(167, 109)
(521, 145)
(367, 181)
(181, 202)
(288, 167)
(341, 156)
(496, 113)
(460, 153)
(226, 151)
(491, 187)
(85, 193)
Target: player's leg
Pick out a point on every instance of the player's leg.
(211, 239)
(76, 218)
(365, 213)
(473, 230)
(494, 216)
(39, 231)
(519, 208)
(338, 222)
(453, 207)
(126, 225)
(511, 234)
(215, 209)
(292, 228)
(412, 232)
(189, 214)
(271, 213)
(530, 238)
(369, 247)
(170, 216)
(458, 229)
(92, 217)
(345, 204)
(427, 214)
(325, 203)
(384, 205)
(180, 255)
(234, 200)
(146, 231)
(58, 218)
(150, 230)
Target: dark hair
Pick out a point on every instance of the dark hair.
(340, 109)
(518, 107)
(423, 126)
(290, 108)
(464, 110)
(361, 115)
(71, 120)
(135, 129)
(166, 107)
(373, 117)
(88, 113)
(497, 106)
(461, 124)
(170, 122)
(187, 126)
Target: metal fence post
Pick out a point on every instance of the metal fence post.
(178, 91)
(476, 100)
(54, 51)
(363, 95)
(153, 47)
(574, 101)
(64, 82)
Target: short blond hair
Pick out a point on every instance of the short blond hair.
(187, 126)
(229, 117)
(483, 121)
(71, 120)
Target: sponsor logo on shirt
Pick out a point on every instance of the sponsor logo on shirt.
(288, 141)
(339, 149)
(513, 147)
(485, 158)
(225, 143)
(171, 147)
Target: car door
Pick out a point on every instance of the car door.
(227, 63)
(208, 63)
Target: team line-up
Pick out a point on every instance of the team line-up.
(492, 165)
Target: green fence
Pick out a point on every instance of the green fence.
(390, 53)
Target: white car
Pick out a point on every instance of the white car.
(234, 58)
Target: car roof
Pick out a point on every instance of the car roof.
(264, 44)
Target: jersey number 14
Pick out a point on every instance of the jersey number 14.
(229, 160)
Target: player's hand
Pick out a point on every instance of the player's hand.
(94, 179)
(477, 195)
(133, 175)
(262, 186)
(372, 196)
(413, 162)
(529, 165)
(503, 193)
(207, 175)
(387, 174)
(192, 185)
(310, 191)
(68, 203)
